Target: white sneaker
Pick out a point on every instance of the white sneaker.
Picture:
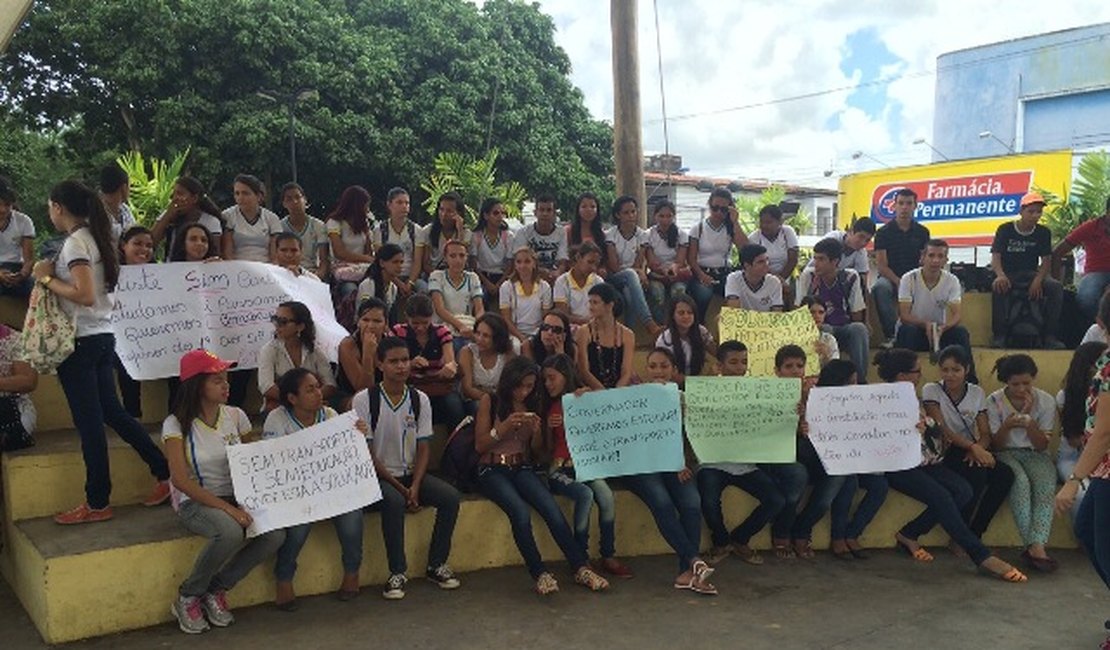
(444, 577)
(189, 614)
(215, 609)
(395, 588)
(887, 344)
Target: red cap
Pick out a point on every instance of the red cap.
(1031, 198)
(202, 362)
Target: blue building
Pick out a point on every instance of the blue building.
(1040, 93)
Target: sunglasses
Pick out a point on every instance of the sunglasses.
(281, 320)
(557, 330)
(719, 208)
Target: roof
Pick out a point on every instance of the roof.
(734, 184)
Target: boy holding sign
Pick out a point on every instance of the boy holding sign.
(401, 426)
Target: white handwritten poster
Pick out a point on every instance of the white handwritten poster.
(164, 310)
(869, 428)
(311, 475)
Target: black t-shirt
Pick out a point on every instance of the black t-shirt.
(903, 247)
(1021, 253)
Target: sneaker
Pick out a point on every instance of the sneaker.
(83, 514)
(444, 577)
(546, 584)
(395, 588)
(190, 617)
(159, 495)
(718, 553)
(887, 343)
(215, 608)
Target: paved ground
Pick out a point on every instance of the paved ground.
(882, 603)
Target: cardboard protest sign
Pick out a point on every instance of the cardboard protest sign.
(742, 419)
(765, 332)
(868, 428)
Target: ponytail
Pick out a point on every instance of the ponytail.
(84, 204)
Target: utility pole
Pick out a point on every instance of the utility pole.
(628, 149)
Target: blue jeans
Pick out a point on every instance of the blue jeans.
(791, 480)
(435, 493)
(1092, 526)
(1090, 290)
(676, 508)
(944, 494)
(885, 295)
(825, 489)
(348, 528)
(876, 488)
(20, 290)
(636, 310)
(658, 294)
(516, 490)
(703, 294)
(88, 377)
(854, 339)
(584, 495)
(712, 483)
(228, 556)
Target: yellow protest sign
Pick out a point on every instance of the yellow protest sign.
(765, 332)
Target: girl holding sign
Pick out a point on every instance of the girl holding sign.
(301, 399)
(196, 437)
(505, 432)
(942, 491)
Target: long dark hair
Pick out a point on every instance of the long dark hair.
(352, 208)
(837, 372)
(539, 352)
(204, 202)
(487, 207)
(597, 228)
(290, 384)
(502, 343)
(177, 253)
(302, 316)
(84, 204)
(363, 307)
(670, 237)
(512, 375)
(374, 271)
(128, 235)
(186, 404)
(723, 193)
(436, 228)
(564, 365)
(697, 343)
(1077, 386)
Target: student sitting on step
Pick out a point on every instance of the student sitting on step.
(841, 291)
(17, 381)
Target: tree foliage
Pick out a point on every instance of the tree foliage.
(151, 181)
(398, 81)
(749, 206)
(475, 179)
(1087, 200)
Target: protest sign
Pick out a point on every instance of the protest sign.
(860, 429)
(742, 419)
(622, 431)
(313, 474)
(765, 332)
(164, 310)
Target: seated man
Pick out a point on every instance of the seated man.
(754, 287)
(1021, 257)
(17, 238)
(929, 306)
(855, 241)
(1094, 237)
(841, 292)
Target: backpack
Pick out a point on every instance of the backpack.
(1025, 321)
(384, 226)
(459, 465)
(376, 405)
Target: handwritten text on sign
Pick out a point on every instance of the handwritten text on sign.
(742, 419)
(164, 310)
(765, 332)
(313, 474)
(860, 429)
(623, 431)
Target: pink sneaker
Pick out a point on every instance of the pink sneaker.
(83, 514)
(159, 495)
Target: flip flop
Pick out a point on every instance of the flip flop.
(920, 555)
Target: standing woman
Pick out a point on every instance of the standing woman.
(605, 346)
(668, 272)
(115, 188)
(491, 249)
(554, 337)
(710, 253)
(348, 228)
(83, 276)
(448, 226)
(627, 266)
(1021, 419)
(293, 346)
(586, 225)
(189, 203)
(524, 297)
(507, 428)
(252, 226)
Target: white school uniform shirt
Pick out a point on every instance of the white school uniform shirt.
(367, 289)
(714, 244)
(436, 254)
(313, 236)
(550, 249)
(492, 257)
(830, 342)
(1095, 334)
(19, 227)
(576, 297)
(252, 240)
(764, 297)
(626, 247)
(280, 422)
(120, 223)
(856, 260)
(929, 304)
(274, 361)
(527, 308)
(80, 248)
(210, 221)
(959, 414)
(665, 340)
(206, 450)
(458, 299)
(355, 242)
(658, 245)
(408, 243)
(999, 408)
(393, 441)
(777, 248)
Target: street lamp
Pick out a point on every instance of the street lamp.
(859, 154)
(290, 100)
(987, 134)
(935, 150)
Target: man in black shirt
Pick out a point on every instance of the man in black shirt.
(1021, 257)
(898, 248)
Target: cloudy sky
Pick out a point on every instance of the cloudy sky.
(735, 73)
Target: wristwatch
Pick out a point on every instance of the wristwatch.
(1083, 482)
(493, 434)
(45, 280)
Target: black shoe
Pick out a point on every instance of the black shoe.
(1053, 343)
(998, 342)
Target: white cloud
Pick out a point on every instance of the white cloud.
(718, 55)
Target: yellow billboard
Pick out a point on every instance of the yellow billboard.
(962, 202)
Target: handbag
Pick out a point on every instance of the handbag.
(49, 333)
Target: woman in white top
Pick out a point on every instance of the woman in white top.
(666, 249)
(293, 346)
(447, 226)
(456, 294)
(710, 253)
(302, 406)
(348, 229)
(571, 290)
(687, 339)
(781, 243)
(1072, 404)
(196, 437)
(1021, 420)
(481, 361)
(627, 264)
(524, 298)
(252, 226)
(381, 279)
(17, 381)
(17, 240)
(190, 204)
(491, 249)
(83, 276)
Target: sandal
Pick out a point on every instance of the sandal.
(784, 551)
(701, 570)
(546, 584)
(957, 550)
(1003, 570)
(586, 577)
(856, 550)
(702, 587)
(747, 554)
(1042, 564)
(919, 554)
(803, 549)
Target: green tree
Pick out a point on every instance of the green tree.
(475, 179)
(33, 161)
(1087, 200)
(151, 182)
(749, 206)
